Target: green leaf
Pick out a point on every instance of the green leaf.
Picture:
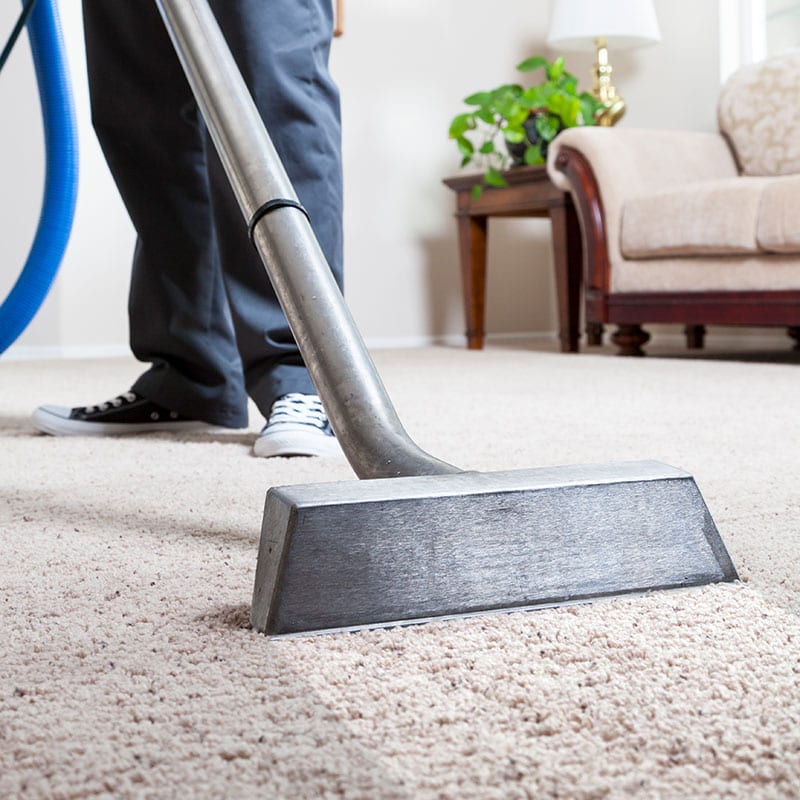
(494, 178)
(461, 124)
(556, 69)
(506, 88)
(466, 160)
(478, 99)
(566, 107)
(486, 116)
(530, 64)
(547, 127)
(569, 83)
(509, 106)
(487, 147)
(477, 191)
(588, 107)
(465, 146)
(534, 97)
(517, 120)
(533, 155)
(514, 135)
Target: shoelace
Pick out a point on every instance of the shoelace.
(305, 409)
(115, 402)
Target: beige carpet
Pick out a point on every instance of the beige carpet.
(127, 669)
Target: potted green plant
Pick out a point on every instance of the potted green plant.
(526, 119)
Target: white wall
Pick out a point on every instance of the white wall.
(403, 67)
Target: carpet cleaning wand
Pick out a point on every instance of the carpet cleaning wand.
(430, 541)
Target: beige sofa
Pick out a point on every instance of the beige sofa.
(690, 227)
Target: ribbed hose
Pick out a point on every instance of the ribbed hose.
(61, 174)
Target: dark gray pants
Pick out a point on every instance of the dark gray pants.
(201, 308)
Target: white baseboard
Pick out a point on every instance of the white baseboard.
(49, 352)
(452, 340)
(734, 338)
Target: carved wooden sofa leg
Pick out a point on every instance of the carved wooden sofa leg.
(594, 334)
(629, 339)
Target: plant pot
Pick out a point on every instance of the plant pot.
(517, 149)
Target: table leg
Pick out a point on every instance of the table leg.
(472, 248)
(568, 265)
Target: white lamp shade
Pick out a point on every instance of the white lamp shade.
(575, 24)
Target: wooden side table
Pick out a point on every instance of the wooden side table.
(529, 193)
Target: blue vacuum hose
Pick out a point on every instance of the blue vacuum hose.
(61, 174)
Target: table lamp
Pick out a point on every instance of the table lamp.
(598, 25)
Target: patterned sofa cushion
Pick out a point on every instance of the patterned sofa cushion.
(759, 112)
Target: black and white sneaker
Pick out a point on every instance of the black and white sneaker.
(297, 426)
(125, 414)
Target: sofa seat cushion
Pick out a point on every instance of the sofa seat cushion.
(732, 216)
(779, 216)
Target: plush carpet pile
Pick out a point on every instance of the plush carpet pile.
(127, 668)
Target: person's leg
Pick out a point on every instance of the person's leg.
(147, 123)
(281, 47)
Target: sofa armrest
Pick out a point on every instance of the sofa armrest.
(632, 161)
(604, 167)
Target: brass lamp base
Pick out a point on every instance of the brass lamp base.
(612, 106)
